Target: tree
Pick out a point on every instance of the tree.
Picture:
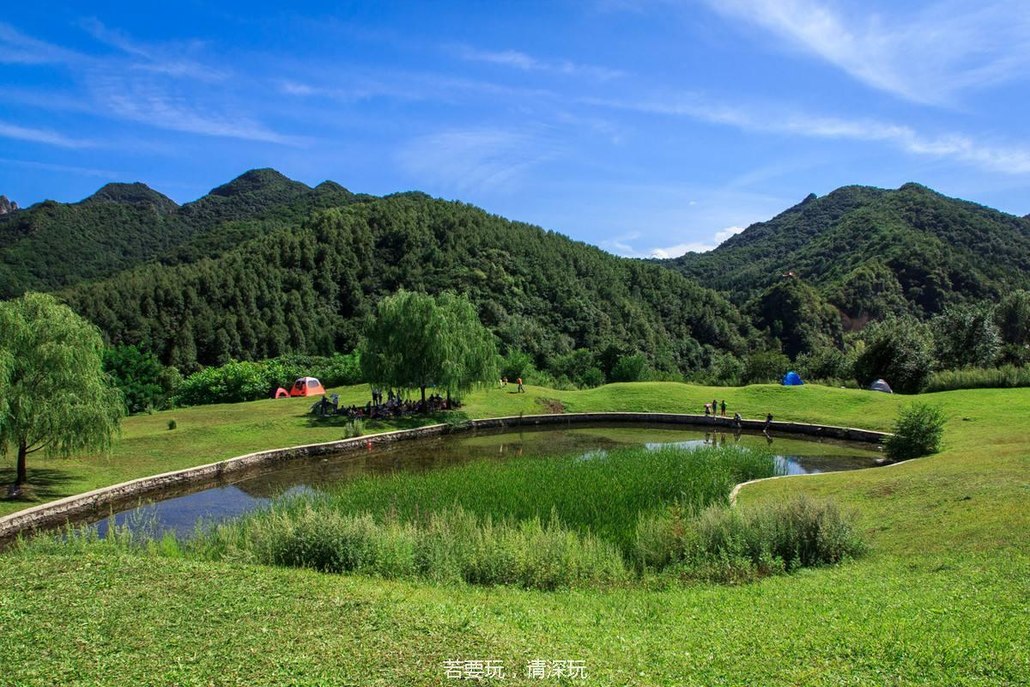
(416, 341)
(966, 335)
(917, 432)
(58, 398)
(143, 380)
(898, 349)
(796, 315)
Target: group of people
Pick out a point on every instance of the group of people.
(712, 409)
(715, 409)
(521, 387)
(394, 406)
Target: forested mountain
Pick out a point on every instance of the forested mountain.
(308, 288)
(872, 252)
(52, 245)
(265, 266)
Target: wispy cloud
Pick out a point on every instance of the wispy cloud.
(33, 135)
(172, 60)
(472, 159)
(67, 169)
(997, 157)
(929, 57)
(154, 105)
(524, 62)
(160, 85)
(17, 48)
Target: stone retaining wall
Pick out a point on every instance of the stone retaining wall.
(106, 499)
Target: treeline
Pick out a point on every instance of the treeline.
(965, 346)
(310, 289)
(147, 385)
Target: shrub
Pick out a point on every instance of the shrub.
(354, 428)
(172, 425)
(917, 432)
(734, 545)
(230, 383)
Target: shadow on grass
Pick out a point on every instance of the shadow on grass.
(413, 421)
(45, 484)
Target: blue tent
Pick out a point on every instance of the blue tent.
(792, 378)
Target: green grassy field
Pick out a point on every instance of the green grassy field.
(941, 598)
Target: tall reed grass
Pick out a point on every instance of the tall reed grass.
(734, 545)
(1004, 377)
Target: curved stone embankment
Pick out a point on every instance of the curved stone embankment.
(104, 500)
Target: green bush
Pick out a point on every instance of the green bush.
(735, 544)
(917, 432)
(230, 383)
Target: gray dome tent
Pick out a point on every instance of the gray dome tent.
(880, 385)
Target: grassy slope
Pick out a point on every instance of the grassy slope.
(941, 599)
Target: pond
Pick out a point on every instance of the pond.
(214, 503)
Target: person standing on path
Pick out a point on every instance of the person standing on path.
(521, 389)
(724, 408)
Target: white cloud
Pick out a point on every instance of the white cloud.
(150, 103)
(1006, 158)
(33, 135)
(17, 48)
(472, 159)
(929, 57)
(522, 61)
(168, 59)
(695, 246)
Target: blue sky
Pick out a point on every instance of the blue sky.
(647, 128)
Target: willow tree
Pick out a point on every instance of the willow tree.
(57, 398)
(417, 341)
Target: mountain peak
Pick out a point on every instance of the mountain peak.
(7, 206)
(256, 180)
(132, 194)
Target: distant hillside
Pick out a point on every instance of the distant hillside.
(307, 288)
(54, 245)
(870, 251)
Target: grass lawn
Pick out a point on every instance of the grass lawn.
(941, 599)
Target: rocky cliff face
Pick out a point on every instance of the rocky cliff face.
(7, 206)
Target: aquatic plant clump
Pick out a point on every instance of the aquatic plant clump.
(741, 544)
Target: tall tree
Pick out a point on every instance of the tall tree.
(416, 341)
(58, 398)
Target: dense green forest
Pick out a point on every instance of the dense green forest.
(308, 289)
(859, 284)
(53, 245)
(873, 252)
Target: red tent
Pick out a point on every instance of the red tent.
(307, 386)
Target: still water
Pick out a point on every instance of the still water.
(247, 491)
